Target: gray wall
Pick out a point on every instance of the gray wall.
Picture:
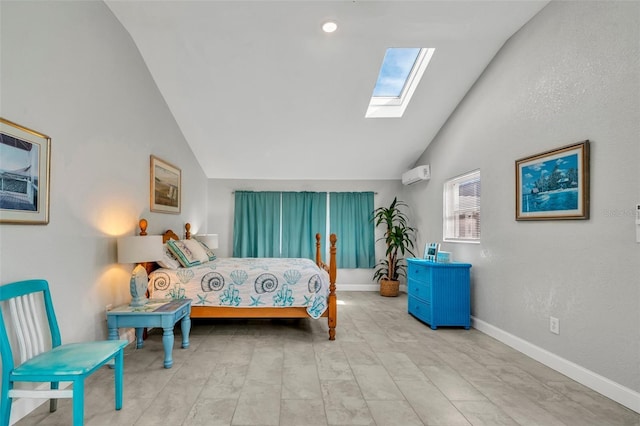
(221, 202)
(572, 73)
(69, 70)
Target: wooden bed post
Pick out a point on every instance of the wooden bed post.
(143, 226)
(318, 254)
(148, 266)
(333, 300)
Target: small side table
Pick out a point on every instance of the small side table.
(156, 313)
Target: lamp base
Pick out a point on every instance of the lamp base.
(138, 286)
(137, 302)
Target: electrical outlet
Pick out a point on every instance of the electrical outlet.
(554, 325)
(107, 308)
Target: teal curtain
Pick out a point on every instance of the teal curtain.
(304, 214)
(256, 224)
(350, 220)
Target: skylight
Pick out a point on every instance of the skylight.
(400, 73)
(395, 69)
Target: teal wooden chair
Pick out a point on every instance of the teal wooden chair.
(73, 362)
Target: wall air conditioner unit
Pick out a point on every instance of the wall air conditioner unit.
(416, 175)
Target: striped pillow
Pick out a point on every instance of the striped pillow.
(188, 252)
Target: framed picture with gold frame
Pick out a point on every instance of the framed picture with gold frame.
(166, 187)
(25, 157)
(554, 184)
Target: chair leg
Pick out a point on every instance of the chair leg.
(118, 377)
(5, 402)
(78, 402)
(53, 403)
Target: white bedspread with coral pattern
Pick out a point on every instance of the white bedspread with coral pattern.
(247, 282)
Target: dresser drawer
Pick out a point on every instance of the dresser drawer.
(420, 273)
(420, 309)
(419, 289)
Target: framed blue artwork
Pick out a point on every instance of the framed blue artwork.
(554, 184)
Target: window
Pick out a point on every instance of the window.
(284, 224)
(401, 71)
(350, 220)
(462, 208)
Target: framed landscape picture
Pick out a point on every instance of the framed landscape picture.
(554, 184)
(166, 189)
(24, 174)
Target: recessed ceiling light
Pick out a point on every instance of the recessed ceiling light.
(329, 27)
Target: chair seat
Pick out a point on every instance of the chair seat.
(72, 359)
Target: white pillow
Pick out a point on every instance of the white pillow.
(210, 254)
(188, 252)
(198, 251)
(168, 259)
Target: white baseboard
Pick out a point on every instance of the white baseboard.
(128, 334)
(366, 287)
(621, 394)
(358, 287)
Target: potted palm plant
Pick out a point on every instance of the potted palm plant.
(398, 237)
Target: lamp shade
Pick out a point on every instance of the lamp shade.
(210, 240)
(138, 249)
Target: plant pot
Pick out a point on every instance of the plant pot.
(389, 288)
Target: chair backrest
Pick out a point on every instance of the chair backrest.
(23, 300)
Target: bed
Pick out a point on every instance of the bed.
(250, 287)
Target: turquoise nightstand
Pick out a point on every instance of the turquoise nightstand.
(156, 313)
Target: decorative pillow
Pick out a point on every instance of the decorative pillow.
(168, 260)
(188, 252)
(210, 254)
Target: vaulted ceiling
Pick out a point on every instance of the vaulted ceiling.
(261, 92)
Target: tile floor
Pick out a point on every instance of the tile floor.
(385, 368)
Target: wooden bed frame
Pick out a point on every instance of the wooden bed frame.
(264, 311)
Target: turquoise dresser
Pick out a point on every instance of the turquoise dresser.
(439, 293)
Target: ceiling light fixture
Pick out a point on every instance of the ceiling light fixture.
(329, 27)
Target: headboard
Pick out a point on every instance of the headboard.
(169, 235)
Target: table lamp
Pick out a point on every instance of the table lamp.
(139, 249)
(210, 240)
